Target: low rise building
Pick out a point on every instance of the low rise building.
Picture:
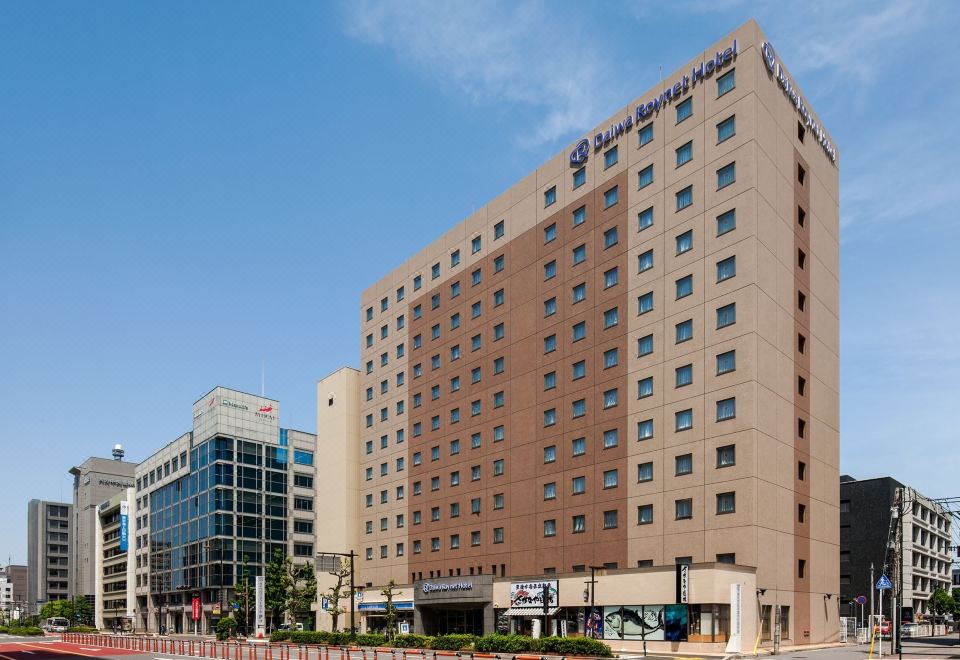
(115, 575)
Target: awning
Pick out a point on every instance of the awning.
(531, 611)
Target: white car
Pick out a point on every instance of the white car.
(908, 630)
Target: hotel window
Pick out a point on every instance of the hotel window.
(435, 330)
(684, 242)
(726, 502)
(455, 478)
(579, 524)
(645, 261)
(417, 312)
(434, 483)
(369, 473)
(645, 177)
(369, 313)
(550, 454)
(683, 464)
(726, 175)
(550, 491)
(579, 485)
(435, 271)
(550, 380)
(726, 409)
(435, 362)
(369, 394)
(475, 375)
(645, 387)
(579, 254)
(400, 407)
(498, 534)
(684, 198)
(610, 397)
(726, 82)
(801, 174)
(417, 488)
(645, 346)
(383, 525)
(369, 340)
(610, 519)
(383, 442)
(455, 258)
(726, 456)
(498, 230)
(611, 358)
(369, 553)
(645, 303)
(549, 307)
(579, 370)
(417, 399)
(550, 233)
(684, 375)
(417, 547)
(418, 340)
(610, 157)
(727, 558)
(455, 289)
(435, 301)
(645, 429)
(384, 359)
(499, 263)
(611, 197)
(645, 219)
(644, 514)
(475, 440)
(475, 277)
(454, 415)
(400, 322)
(726, 362)
(579, 177)
(684, 110)
(455, 383)
(644, 472)
(417, 458)
(498, 397)
(498, 331)
(400, 378)
(384, 303)
(645, 134)
(369, 446)
(498, 501)
(610, 238)
(498, 433)
(550, 196)
(685, 153)
(726, 222)
(726, 315)
(368, 501)
(549, 527)
(684, 286)
(475, 245)
(683, 419)
(498, 365)
(435, 544)
(369, 420)
(610, 278)
(579, 216)
(578, 446)
(550, 417)
(369, 527)
(611, 437)
(475, 408)
(498, 297)
(611, 317)
(383, 497)
(726, 129)
(684, 509)
(475, 505)
(550, 344)
(580, 331)
(579, 408)
(579, 292)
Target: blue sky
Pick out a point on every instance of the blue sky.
(188, 191)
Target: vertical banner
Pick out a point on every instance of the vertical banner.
(124, 525)
(261, 618)
(683, 584)
(735, 643)
(196, 608)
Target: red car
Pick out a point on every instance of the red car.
(883, 628)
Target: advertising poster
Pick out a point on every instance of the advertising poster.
(594, 623)
(635, 622)
(531, 594)
(675, 623)
(124, 525)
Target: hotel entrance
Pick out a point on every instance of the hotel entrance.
(454, 605)
(452, 620)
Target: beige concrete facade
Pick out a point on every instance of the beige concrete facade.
(734, 465)
(114, 564)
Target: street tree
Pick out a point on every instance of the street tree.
(276, 585)
(336, 593)
(391, 610)
(303, 589)
(941, 602)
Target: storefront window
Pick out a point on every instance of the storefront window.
(708, 623)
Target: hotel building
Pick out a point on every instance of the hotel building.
(626, 365)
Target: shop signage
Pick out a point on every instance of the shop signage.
(124, 525)
(196, 608)
(531, 594)
(683, 583)
(400, 606)
(114, 484)
(216, 609)
(261, 619)
(735, 642)
(773, 66)
(430, 587)
(645, 111)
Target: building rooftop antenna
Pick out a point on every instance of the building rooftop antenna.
(118, 452)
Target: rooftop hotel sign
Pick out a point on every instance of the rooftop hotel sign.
(773, 66)
(645, 111)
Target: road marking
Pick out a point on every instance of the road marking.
(56, 650)
(30, 652)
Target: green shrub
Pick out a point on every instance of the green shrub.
(504, 644)
(280, 636)
(572, 646)
(370, 639)
(226, 627)
(454, 642)
(82, 629)
(413, 642)
(24, 631)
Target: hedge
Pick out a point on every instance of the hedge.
(82, 629)
(26, 631)
(454, 642)
(413, 641)
(558, 645)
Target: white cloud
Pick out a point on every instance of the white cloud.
(496, 53)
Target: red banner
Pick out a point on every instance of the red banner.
(196, 608)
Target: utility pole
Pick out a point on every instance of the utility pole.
(871, 599)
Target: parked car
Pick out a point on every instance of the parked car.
(291, 626)
(883, 628)
(908, 630)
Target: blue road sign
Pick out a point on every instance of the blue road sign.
(884, 583)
